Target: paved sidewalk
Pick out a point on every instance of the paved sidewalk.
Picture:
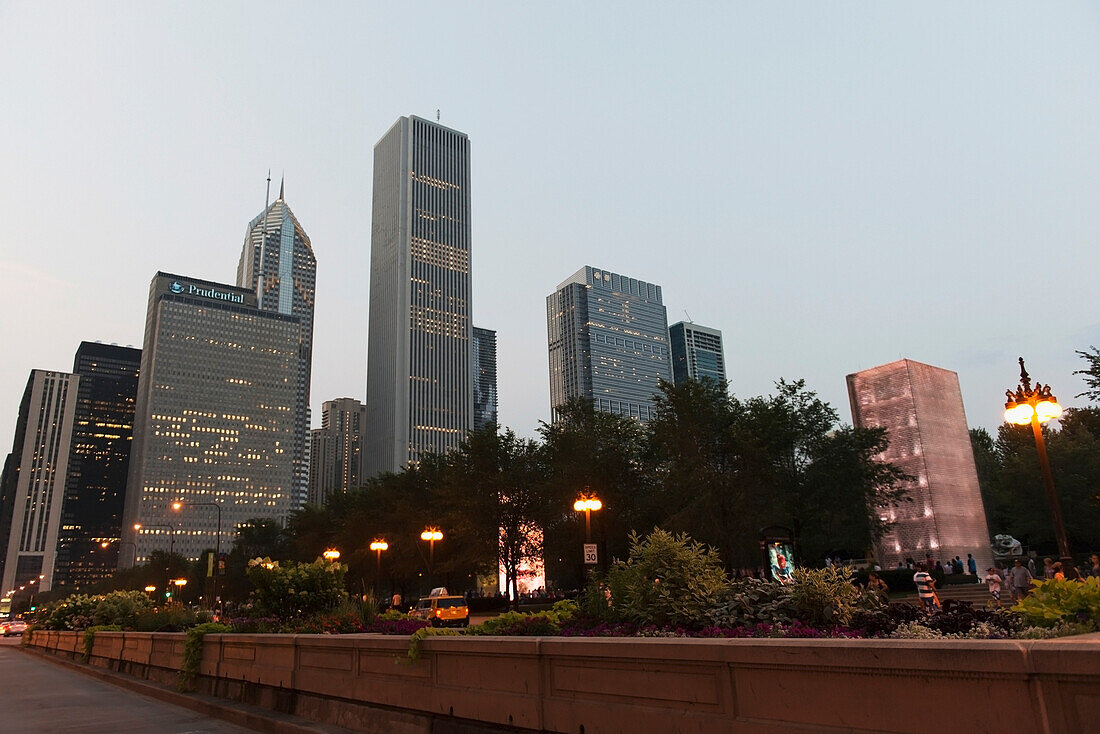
(41, 696)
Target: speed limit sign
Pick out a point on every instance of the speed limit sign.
(590, 554)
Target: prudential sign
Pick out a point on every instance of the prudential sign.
(191, 289)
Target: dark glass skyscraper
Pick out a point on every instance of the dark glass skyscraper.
(278, 264)
(95, 488)
(419, 370)
(696, 353)
(608, 342)
(485, 377)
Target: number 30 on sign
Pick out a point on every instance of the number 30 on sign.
(590, 554)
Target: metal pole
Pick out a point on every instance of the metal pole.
(1055, 508)
(587, 526)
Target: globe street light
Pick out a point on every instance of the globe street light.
(332, 555)
(587, 505)
(1036, 405)
(431, 535)
(378, 546)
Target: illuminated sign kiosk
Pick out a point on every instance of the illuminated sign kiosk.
(777, 544)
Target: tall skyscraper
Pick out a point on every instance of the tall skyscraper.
(696, 353)
(419, 371)
(278, 264)
(339, 440)
(921, 408)
(608, 338)
(216, 420)
(43, 435)
(322, 465)
(103, 427)
(485, 377)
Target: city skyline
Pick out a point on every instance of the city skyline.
(849, 212)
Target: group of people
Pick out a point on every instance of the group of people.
(1019, 576)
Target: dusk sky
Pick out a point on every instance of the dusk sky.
(833, 185)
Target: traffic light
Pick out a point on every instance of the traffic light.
(223, 562)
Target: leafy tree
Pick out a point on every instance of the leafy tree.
(709, 469)
(589, 451)
(499, 496)
(1012, 486)
(1090, 373)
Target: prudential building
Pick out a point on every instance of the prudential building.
(215, 422)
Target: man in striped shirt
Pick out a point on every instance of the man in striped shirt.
(926, 590)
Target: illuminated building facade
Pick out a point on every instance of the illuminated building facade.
(485, 377)
(91, 516)
(278, 264)
(35, 479)
(696, 353)
(921, 408)
(419, 370)
(215, 420)
(608, 342)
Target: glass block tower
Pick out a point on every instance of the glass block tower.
(419, 371)
(91, 517)
(485, 377)
(696, 353)
(921, 408)
(34, 479)
(278, 264)
(608, 341)
(215, 421)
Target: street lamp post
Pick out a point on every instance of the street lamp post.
(431, 535)
(587, 505)
(331, 555)
(378, 546)
(179, 505)
(121, 543)
(171, 550)
(1036, 405)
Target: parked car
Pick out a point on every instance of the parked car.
(442, 610)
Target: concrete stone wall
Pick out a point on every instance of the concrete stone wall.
(366, 683)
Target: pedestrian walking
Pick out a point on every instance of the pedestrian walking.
(993, 580)
(1021, 580)
(926, 591)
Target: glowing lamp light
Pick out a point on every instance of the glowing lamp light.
(1019, 414)
(137, 526)
(587, 504)
(150, 589)
(331, 554)
(179, 582)
(431, 534)
(177, 506)
(379, 545)
(1048, 410)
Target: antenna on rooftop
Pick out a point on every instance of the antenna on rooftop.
(437, 115)
(263, 241)
(690, 320)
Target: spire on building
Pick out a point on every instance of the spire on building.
(281, 178)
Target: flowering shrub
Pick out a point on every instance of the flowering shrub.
(80, 611)
(297, 590)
